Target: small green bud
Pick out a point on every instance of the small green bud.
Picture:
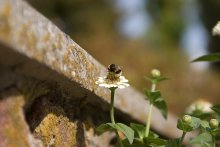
(155, 73)
(187, 119)
(213, 123)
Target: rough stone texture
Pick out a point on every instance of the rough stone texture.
(44, 63)
(14, 130)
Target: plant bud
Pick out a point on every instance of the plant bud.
(213, 123)
(155, 73)
(187, 119)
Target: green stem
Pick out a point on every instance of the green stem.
(153, 88)
(213, 139)
(112, 105)
(148, 121)
(112, 115)
(182, 137)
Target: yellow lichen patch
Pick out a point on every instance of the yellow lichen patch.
(12, 121)
(46, 37)
(6, 10)
(60, 40)
(57, 131)
(4, 22)
(30, 40)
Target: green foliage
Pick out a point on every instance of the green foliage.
(188, 127)
(155, 80)
(211, 58)
(136, 143)
(173, 143)
(215, 132)
(204, 124)
(202, 115)
(216, 108)
(154, 141)
(127, 131)
(104, 127)
(139, 130)
(204, 139)
(156, 99)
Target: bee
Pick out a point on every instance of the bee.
(115, 69)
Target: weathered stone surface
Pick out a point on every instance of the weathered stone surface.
(32, 47)
(55, 119)
(14, 131)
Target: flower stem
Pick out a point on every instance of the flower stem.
(153, 88)
(112, 115)
(213, 140)
(182, 137)
(112, 105)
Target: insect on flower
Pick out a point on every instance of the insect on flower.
(113, 79)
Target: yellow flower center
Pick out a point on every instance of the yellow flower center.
(112, 77)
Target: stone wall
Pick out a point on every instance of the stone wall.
(48, 95)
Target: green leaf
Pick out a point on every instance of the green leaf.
(156, 99)
(127, 131)
(162, 106)
(154, 141)
(204, 124)
(153, 135)
(215, 132)
(159, 79)
(139, 130)
(195, 123)
(204, 139)
(156, 80)
(211, 58)
(105, 127)
(136, 143)
(216, 108)
(185, 127)
(173, 143)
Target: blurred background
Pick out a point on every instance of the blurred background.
(144, 34)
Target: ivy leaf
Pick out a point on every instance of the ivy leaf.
(211, 58)
(204, 139)
(156, 99)
(173, 143)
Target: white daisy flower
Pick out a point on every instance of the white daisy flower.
(114, 79)
(216, 29)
